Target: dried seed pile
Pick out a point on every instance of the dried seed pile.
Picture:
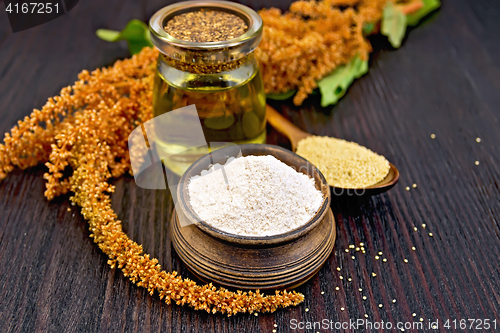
(86, 128)
(206, 26)
(344, 164)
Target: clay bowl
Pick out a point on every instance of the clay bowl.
(282, 261)
(221, 156)
(295, 134)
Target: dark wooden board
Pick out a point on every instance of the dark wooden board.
(445, 79)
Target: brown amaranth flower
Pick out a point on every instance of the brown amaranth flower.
(86, 128)
(308, 42)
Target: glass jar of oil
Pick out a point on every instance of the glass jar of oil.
(219, 76)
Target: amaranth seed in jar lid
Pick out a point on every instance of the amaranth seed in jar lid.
(204, 25)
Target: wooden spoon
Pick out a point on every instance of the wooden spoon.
(295, 134)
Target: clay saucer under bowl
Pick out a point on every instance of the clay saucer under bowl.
(221, 156)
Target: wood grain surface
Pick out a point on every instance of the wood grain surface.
(445, 80)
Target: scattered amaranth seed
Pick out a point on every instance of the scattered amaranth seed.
(478, 140)
(433, 136)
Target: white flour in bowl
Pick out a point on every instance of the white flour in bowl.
(262, 197)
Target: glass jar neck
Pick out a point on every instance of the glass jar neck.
(200, 68)
(209, 78)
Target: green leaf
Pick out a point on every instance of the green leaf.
(393, 24)
(108, 35)
(334, 86)
(368, 28)
(429, 6)
(282, 96)
(136, 33)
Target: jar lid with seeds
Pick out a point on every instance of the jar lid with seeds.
(236, 31)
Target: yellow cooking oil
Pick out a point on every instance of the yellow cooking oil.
(230, 105)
